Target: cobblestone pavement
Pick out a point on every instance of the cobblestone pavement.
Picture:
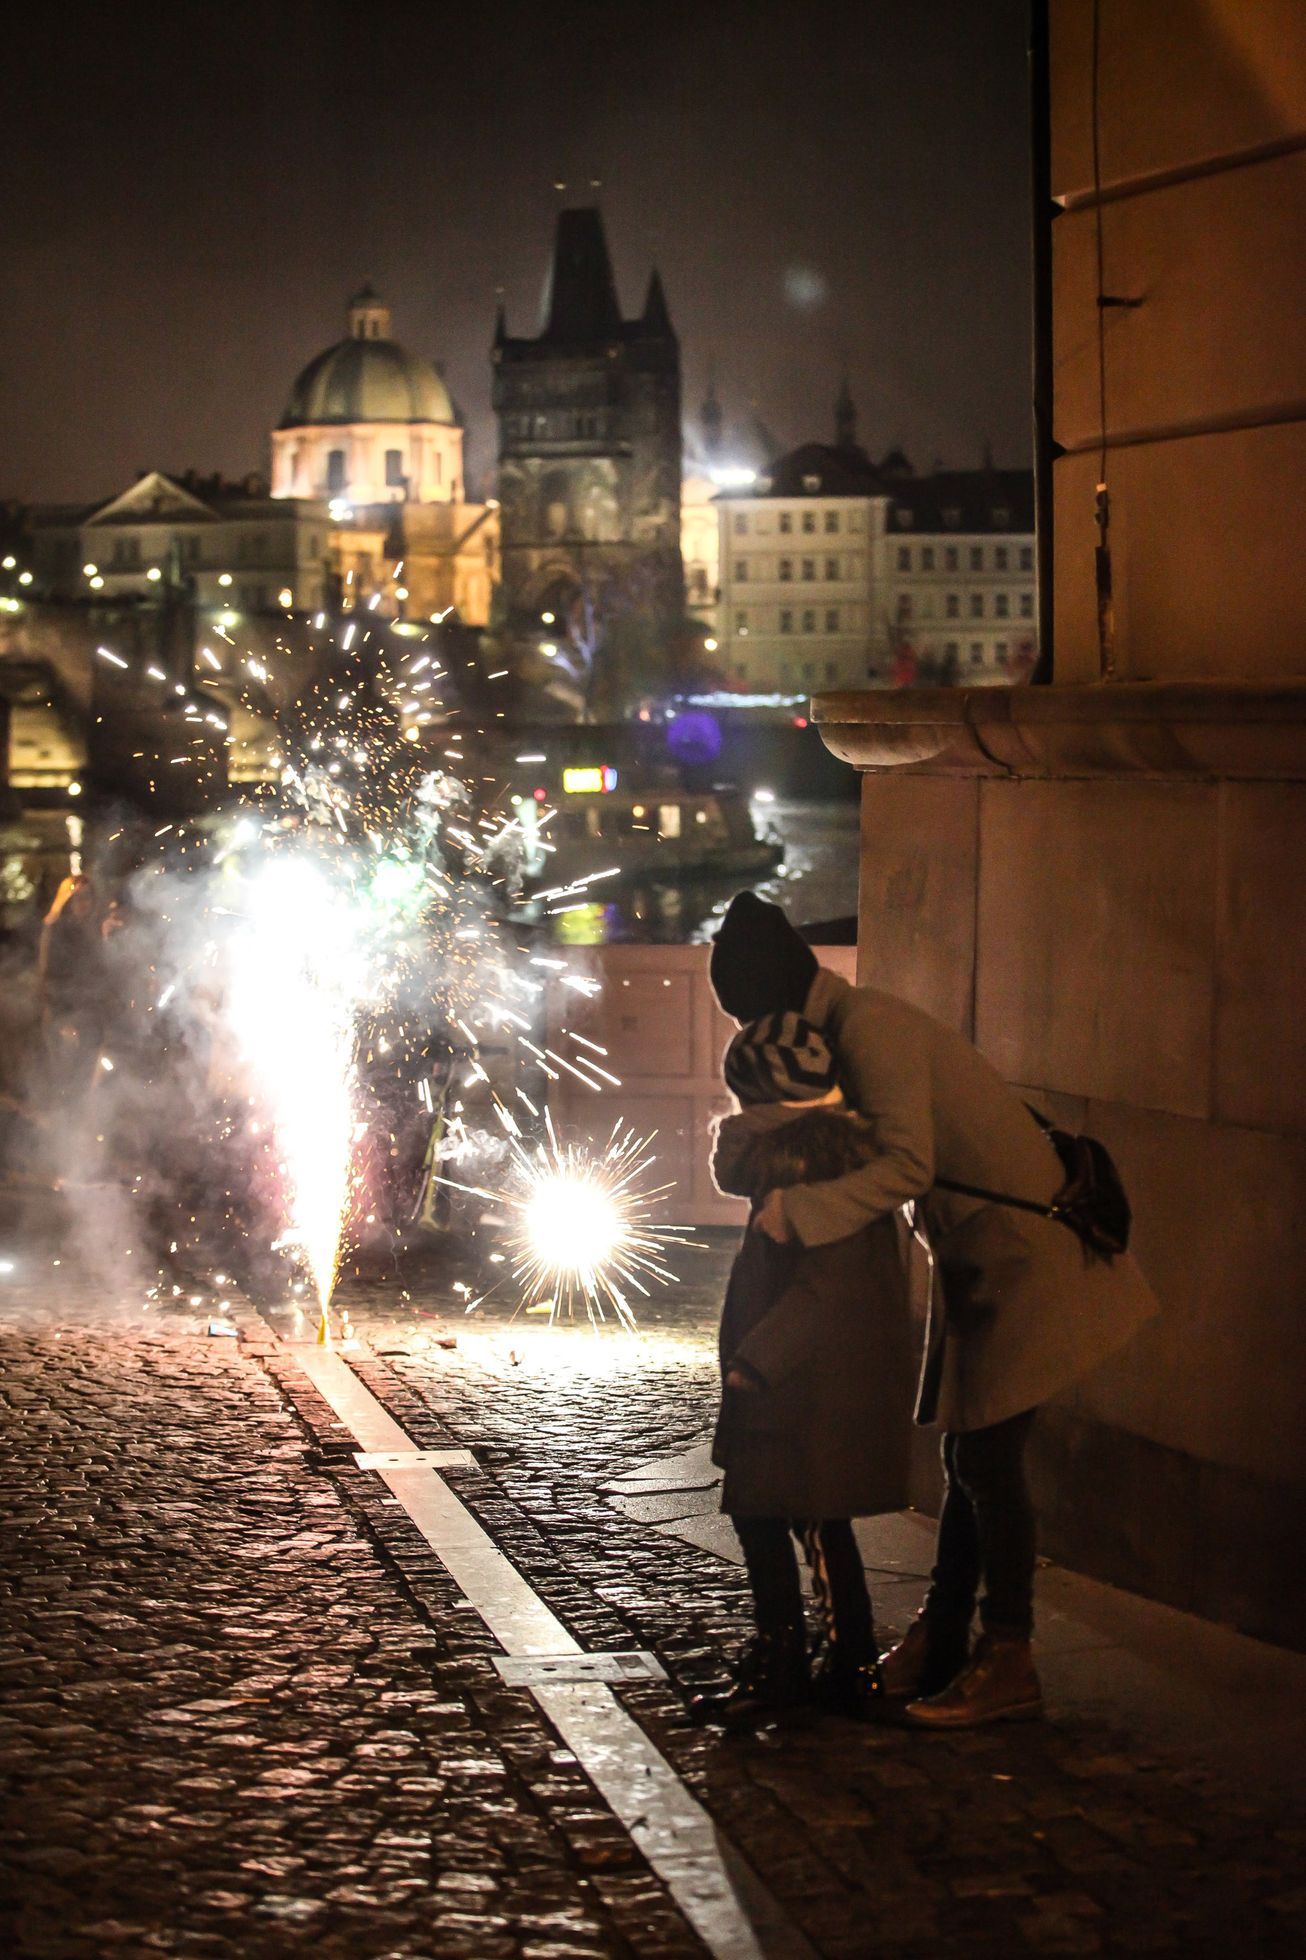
(246, 1712)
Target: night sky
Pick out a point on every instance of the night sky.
(192, 190)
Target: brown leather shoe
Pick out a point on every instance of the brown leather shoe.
(999, 1684)
(921, 1664)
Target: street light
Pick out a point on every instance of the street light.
(154, 575)
(224, 578)
(88, 571)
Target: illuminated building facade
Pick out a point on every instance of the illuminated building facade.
(369, 423)
(836, 571)
(371, 432)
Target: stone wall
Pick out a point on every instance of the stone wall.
(1202, 166)
(1123, 951)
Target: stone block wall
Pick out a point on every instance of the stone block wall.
(1123, 951)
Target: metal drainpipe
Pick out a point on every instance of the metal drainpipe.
(1042, 212)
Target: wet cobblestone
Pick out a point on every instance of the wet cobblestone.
(1052, 1838)
(245, 1710)
(228, 1724)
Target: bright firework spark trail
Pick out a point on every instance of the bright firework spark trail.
(349, 930)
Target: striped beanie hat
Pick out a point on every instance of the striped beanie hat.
(780, 1058)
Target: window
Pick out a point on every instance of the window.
(977, 558)
(1001, 651)
(741, 670)
(952, 606)
(786, 569)
(741, 523)
(832, 619)
(809, 670)
(903, 517)
(1001, 518)
(668, 820)
(394, 468)
(812, 484)
(1027, 558)
(1027, 605)
(976, 652)
(950, 558)
(1001, 606)
(809, 621)
(904, 605)
(831, 520)
(741, 569)
(809, 568)
(904, 557)
(952, 517)
(809, 520)
(951, 651)
(977, 605)
(1000, 557)
(927, 557)
(831, 670)
(832, 568)
(335, 469)
(786, 621)
(741, 625)
(786, 520)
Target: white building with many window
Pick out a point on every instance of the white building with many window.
(836, 572)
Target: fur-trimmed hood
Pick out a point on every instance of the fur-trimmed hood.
(771, 1147)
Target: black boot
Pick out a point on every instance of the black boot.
(771, 1678)
(848, 1684)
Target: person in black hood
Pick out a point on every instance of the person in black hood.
(759, 963)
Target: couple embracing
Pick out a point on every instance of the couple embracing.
(851, 1105)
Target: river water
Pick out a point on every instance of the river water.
(816, 881)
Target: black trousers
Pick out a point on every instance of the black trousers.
(986, 1532)
(838, 1580)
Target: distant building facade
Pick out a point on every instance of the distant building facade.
(836, 571)
(228, 546)
(590, 443)
(369, 423)
(371, 431)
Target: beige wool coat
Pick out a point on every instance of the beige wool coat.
(1019, 1308)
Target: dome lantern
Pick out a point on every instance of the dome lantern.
(369, 316)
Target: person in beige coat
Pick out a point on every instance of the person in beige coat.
(1019, 1310)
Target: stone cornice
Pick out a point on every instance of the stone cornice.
(1204, 729)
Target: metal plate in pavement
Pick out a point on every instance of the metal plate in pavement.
(414, 1459)
(533, 1670)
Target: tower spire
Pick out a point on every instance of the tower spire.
(580, 298)
(845, 418)
(656, 322)
(712, 420)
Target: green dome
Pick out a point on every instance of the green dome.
(367, 380)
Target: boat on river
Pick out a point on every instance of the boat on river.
(661, 834)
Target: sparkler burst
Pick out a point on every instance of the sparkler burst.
(581, 1225)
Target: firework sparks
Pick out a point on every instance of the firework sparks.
(581, 1228)
(297, 979)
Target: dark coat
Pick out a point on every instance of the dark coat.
(824, 1333)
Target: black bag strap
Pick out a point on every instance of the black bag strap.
(996, 1197)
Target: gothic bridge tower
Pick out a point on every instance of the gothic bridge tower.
(589, 444)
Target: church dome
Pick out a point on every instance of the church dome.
(367, 378)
